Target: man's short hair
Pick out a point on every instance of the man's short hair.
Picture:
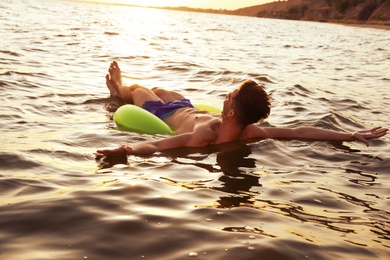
(252, 103)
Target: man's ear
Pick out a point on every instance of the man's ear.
(232, 113)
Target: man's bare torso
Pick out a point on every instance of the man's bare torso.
(204, 124)
(186, 120)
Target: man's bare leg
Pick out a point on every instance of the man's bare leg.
(134, 94)
(115, 85)
(167, 95)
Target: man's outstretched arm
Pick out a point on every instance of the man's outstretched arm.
(197, 139)
(314, 133)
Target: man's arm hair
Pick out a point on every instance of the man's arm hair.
(177, 141)
(314, 133)
(194, 139)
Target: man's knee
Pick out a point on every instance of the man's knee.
(134, 87)
(159, 91)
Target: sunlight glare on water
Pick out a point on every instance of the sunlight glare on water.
(271, 199)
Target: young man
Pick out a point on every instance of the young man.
(242, 108)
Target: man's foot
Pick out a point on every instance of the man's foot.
(114, 82)
(116, 75)
(111, 86)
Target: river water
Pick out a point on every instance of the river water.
(271, 199)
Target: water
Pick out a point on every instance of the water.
(273, 199)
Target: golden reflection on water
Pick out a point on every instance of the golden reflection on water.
(284, 198)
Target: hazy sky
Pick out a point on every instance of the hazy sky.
(215, 4)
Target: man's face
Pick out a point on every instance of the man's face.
(227, 104)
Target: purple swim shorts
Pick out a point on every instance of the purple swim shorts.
(163, 110)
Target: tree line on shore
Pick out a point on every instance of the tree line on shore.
(350, 11)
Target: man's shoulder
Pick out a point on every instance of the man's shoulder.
(207, 131)
(254, 131)
(202, 136)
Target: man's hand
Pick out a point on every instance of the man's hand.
(121, 151)
(363, 136)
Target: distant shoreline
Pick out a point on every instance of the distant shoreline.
(366, 25)
(375, 25)
(383, 25)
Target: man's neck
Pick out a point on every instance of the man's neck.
(229, 131)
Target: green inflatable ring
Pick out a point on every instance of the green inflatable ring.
(208, 108)
(135, 119)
